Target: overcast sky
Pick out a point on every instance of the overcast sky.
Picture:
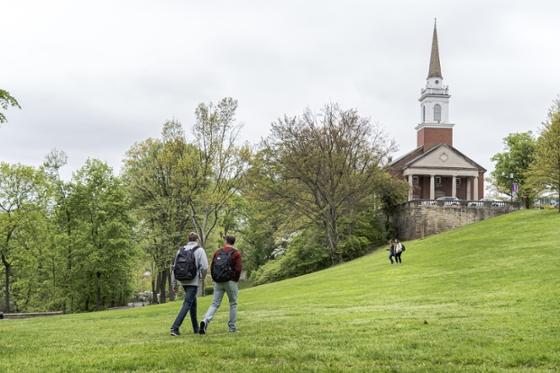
(94, 77)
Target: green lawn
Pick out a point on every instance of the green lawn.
(485, 297)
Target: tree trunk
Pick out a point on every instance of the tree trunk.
(162, 290)
(98, 292)
(171, 292)
(7, 284)
(332, 235)
(69, 281)
(154, 289)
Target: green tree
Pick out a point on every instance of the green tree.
(104, 238)
(63, 224)
(160, 176)
(178, 186)
(221, 164)
(323, 169)
(545, 170)
(6, 100)
(21, 211)
(391, 193)
(512, 165)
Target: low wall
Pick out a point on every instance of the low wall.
(28, 315)
(418, 219)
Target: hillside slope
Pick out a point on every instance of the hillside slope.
(483, 297)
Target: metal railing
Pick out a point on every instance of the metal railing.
(463, 204)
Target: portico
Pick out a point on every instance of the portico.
(432, 184)
(442, 171)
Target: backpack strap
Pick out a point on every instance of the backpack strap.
(177, 255)
(195, 261)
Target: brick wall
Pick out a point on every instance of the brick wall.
(429, 137)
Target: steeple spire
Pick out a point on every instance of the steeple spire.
(435, 67)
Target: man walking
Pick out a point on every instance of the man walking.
(226, 270)
(189, 268)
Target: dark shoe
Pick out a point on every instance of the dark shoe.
(175, 333)
(202, 328)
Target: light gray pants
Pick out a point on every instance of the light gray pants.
(230, 288)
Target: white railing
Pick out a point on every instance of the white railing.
(462, 203)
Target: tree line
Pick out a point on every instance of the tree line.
(530, 162)
(312, 194)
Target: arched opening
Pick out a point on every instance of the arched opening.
(437, 113)
(423, 113)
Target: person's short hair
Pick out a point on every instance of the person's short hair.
(193, 237)
(230, 239)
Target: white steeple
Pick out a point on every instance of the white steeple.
(434, 98)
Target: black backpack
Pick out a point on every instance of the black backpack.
(222, 270)
(185, 264)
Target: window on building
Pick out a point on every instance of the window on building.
(458, 181)
(415, 180)
(438, 180)
(437, 112)
(423, 113)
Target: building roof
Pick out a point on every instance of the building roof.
(403, 160)
(435, 66)
(415, 155)
(426, 152)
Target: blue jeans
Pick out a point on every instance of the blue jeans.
(221, 288)
(189, 304)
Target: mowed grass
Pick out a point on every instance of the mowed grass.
(485, 297)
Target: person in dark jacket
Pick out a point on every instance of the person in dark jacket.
(227, 285)
(190, 286)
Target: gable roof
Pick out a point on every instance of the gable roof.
(402, 160)
(426, 157)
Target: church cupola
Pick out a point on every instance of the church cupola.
(434, 127)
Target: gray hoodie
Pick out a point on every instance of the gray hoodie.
(201, 264)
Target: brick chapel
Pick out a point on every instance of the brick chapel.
(436, 168)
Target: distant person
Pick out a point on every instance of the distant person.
(189, 268)
(399, 248)
(226, 270)
(391, 250)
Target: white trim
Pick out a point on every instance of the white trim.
(432, 187)
(440, 172)
(410, 188)
(434, 125)
(475, 188)
(454, 186)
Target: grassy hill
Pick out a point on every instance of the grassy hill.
(485, 297)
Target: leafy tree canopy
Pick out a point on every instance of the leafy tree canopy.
(6, 100)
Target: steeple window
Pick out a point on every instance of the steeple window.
(423, 113)
(437, 113)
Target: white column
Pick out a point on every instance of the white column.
(475, 189)
(410, 187)
(454, 186)
(468, 188)
(432, 187)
